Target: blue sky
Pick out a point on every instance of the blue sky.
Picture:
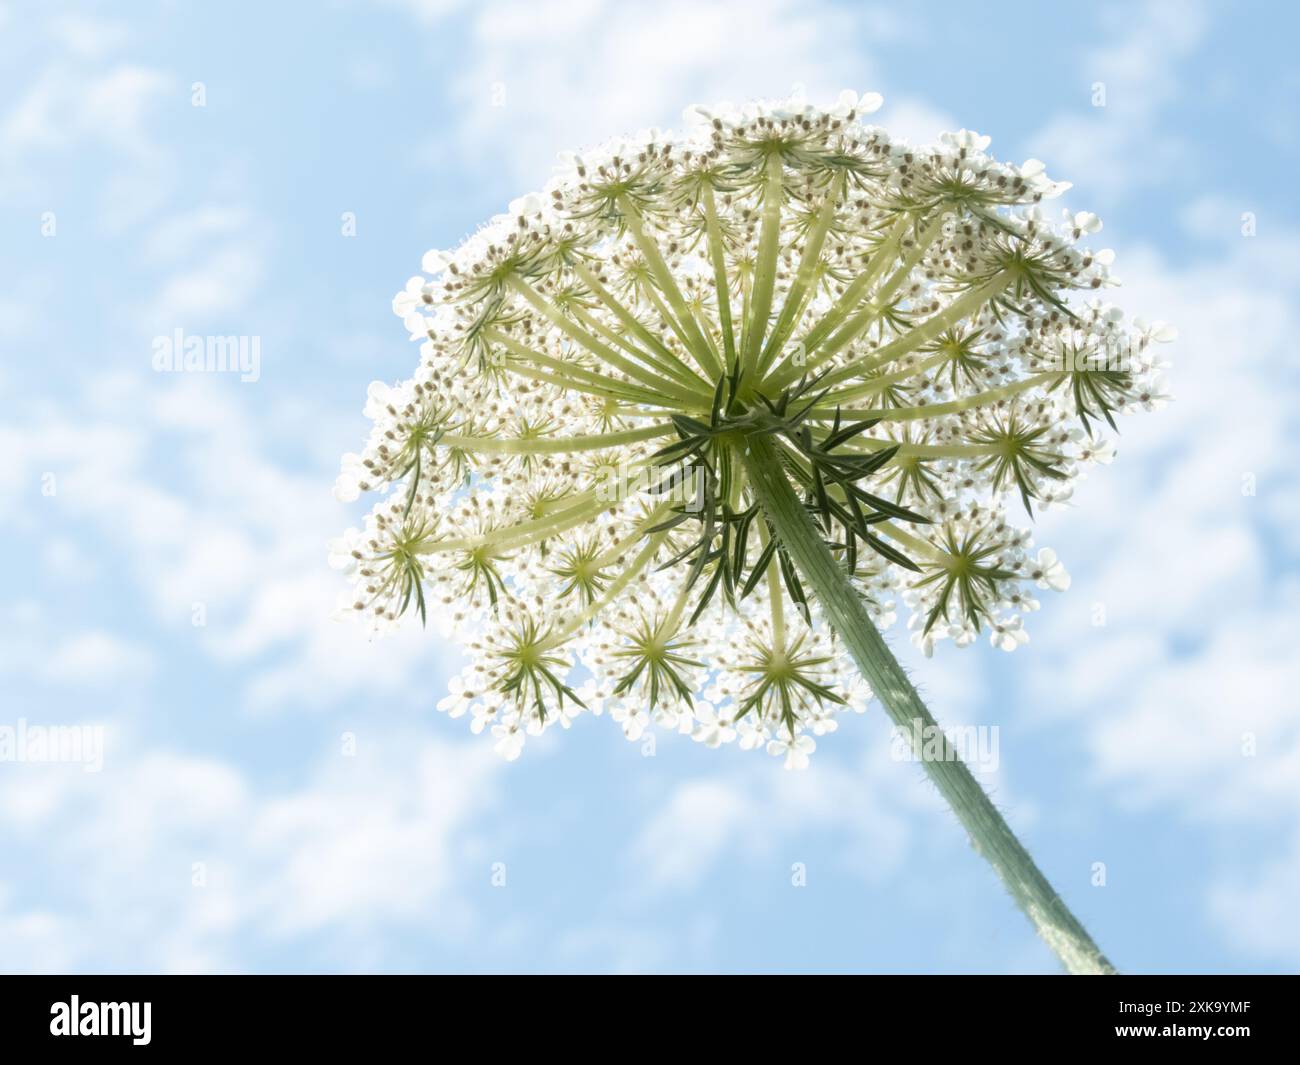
(278, 794)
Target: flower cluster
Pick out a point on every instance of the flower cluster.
(561, 485)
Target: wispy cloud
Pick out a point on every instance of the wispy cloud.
(1114, 141)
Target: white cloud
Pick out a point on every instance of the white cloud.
(221, 283)
(1184, 697)
(87, 35)
(34, 939)
(1212, 218)
(182, 235)
(757, 812)
(685, 837)
(37, 649)
(167, 860)
(68, 104)
(914, 120)
(86, 99)
(117, 104)
(1259, 913)
(372, 843)
(546, 76)
(95, 657)
(1111, 149)
(231, 530)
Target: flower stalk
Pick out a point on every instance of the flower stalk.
(989, 832)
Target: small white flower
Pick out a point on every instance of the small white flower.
(416, 296)
(711, 729)
(1160, 332)
(1099, 450)
(823, 723)
(485, 714)
(458, 699)
(1153, 395)
(965, 140)
(346, 550)
(633, 718)
(510, 740)
(352, 476)
(1007, 635)
(753, 733)
(795, 751)
(1048, 572)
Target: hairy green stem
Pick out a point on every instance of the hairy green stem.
(844, 609)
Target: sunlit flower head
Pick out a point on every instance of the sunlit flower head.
(562, 486)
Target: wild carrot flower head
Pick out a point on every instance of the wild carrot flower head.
(560, 485)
